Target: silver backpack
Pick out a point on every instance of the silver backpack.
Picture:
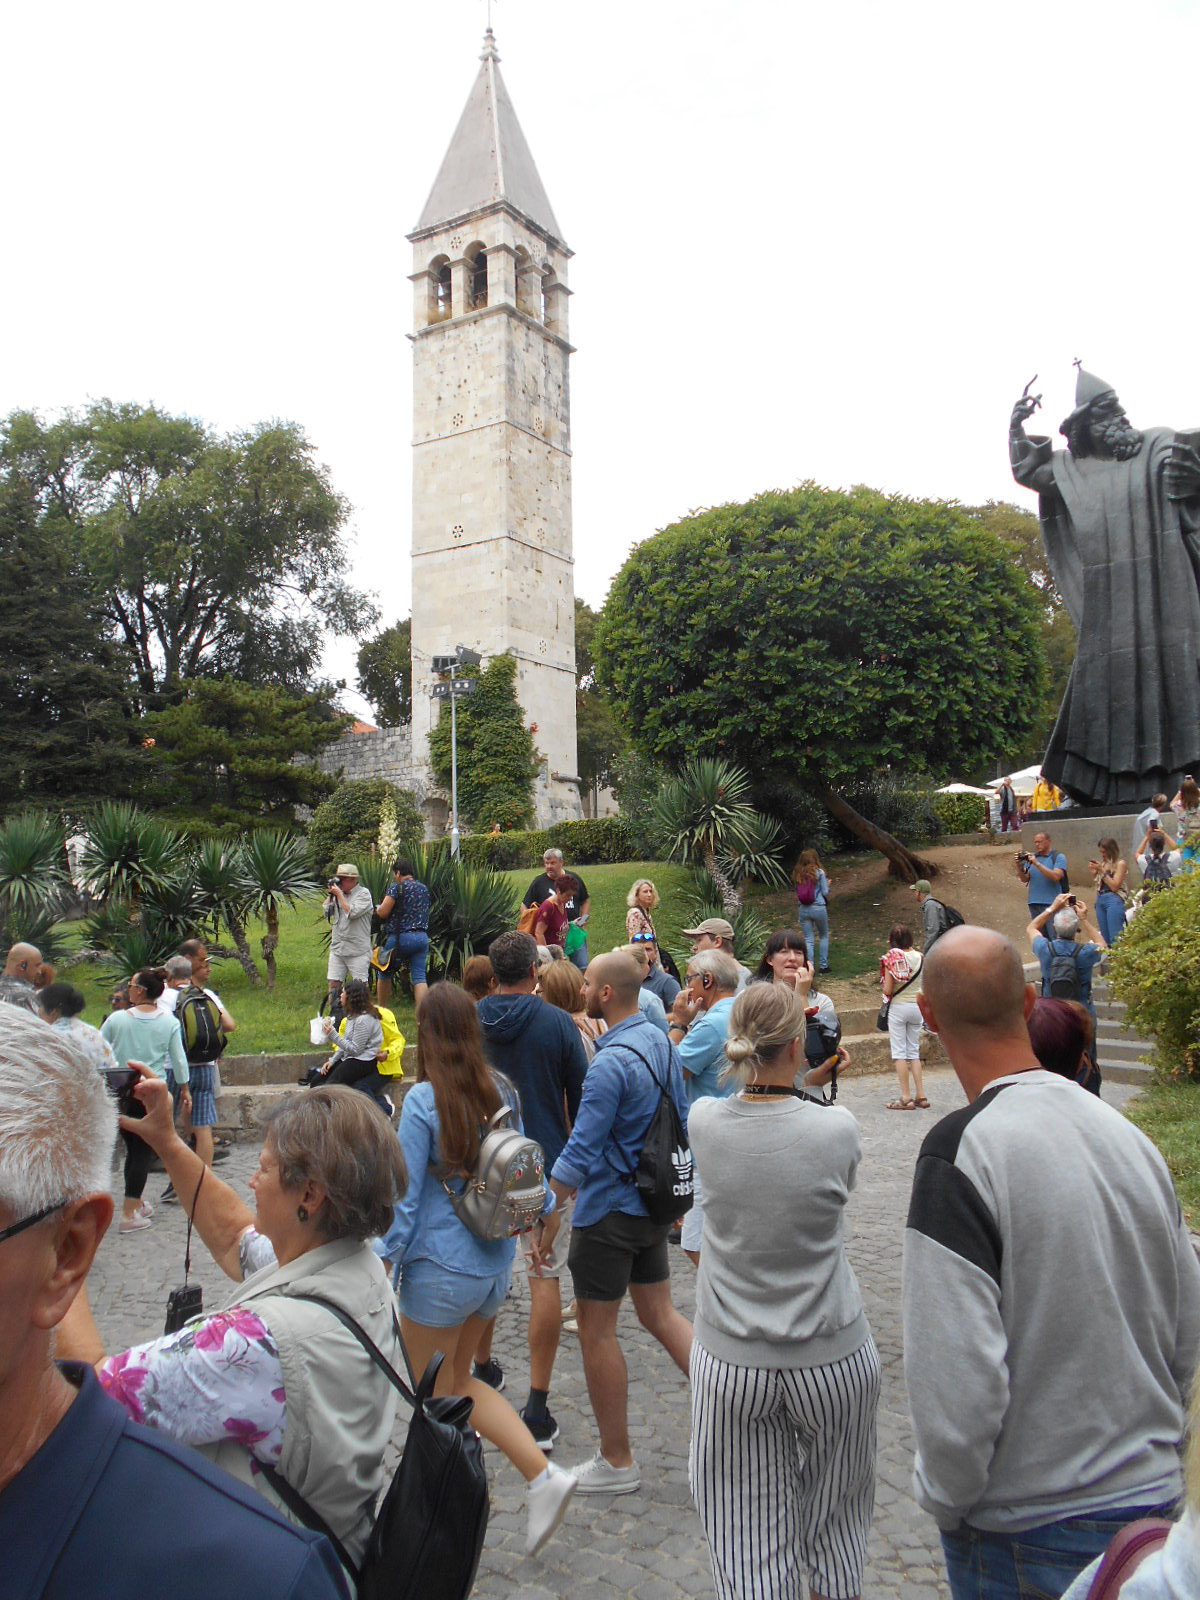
(507, 1193)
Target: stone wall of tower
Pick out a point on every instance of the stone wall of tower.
(492, 551)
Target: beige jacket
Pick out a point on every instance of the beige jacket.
(340, 1408)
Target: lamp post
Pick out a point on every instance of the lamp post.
(451, 691)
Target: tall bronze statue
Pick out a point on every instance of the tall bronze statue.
(1120, 516)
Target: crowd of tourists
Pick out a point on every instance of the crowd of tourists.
(591, 1111)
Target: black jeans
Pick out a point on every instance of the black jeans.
(138, 1156)
(364, 1075)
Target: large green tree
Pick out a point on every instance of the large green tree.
(227, 753)
(385, 673)
(818, 637)
(65, 731)
(497, 762)
(204, 549)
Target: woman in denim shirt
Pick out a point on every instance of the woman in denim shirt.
(451, 1282)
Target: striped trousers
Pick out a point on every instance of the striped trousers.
(782, 1473)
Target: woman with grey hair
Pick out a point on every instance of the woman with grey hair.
(784, 1372)
(272, 1380)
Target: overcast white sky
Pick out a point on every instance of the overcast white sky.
(812, 241)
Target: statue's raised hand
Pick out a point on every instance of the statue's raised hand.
(1026, 405)
(1181, 475)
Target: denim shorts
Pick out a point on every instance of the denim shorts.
(436, 1298)
(202, 1081)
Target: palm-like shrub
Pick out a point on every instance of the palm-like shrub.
(128, 853)
(468, 908)
(750, 931)
(33, 878)
(275, 871)
(225, 898)
(705, 814)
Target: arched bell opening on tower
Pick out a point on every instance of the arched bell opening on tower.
(477, 276)
(441, 299)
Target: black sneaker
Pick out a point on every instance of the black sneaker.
(168, 1197)
(219, 1156)
(544, 1429)
(489, 1372)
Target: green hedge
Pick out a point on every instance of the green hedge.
(960, 813)
(602, 840)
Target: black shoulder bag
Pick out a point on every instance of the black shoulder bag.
(428, 1534)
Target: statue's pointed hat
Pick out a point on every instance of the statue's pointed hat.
(1088, 389)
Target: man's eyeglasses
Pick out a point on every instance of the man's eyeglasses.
(29, 1222)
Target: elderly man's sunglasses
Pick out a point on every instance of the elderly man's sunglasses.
(29, 1222)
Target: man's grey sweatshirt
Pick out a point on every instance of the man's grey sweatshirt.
(1051, 1311)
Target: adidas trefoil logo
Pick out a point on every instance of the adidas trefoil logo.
(681, 1160)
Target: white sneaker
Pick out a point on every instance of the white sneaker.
(599, 1476)
(134, 1224)
(546, 1502)
(146, 1209)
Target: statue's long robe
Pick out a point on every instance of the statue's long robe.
(1127, 563)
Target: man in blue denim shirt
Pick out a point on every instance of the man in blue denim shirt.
(614, 1245)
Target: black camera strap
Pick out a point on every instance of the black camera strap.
(187, 1250)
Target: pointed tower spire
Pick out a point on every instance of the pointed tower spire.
(489, 160)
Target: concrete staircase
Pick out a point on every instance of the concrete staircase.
(1120, 1053)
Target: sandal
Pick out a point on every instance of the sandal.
(921, 1103)
(900, 1105)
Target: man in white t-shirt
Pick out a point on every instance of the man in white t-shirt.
(179, 975)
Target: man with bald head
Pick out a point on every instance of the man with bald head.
(614, 1245)
(1051, 1300)
(16, 981)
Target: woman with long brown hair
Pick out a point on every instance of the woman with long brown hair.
(812, 905)
(451, 1282)
(1108, 874)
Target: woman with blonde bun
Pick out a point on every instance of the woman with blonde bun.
(784, 1372)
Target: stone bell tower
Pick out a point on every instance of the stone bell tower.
(492, 563)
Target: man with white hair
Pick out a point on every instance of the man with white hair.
(1066, 962)
(91, 1502)
(1051, 1300)
(16, 981)
(700, 1027)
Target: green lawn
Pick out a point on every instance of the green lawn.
(1168, 1112)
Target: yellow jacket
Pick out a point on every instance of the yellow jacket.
(393, 1043)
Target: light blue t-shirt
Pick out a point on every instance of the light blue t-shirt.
(1043, 890)
(702, 1052)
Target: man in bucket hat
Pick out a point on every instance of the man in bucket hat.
(348, 906)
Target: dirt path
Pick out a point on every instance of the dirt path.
(979, 880)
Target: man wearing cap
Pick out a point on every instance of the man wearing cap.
(348, 905)
(933, 913)
(714, 933)
(1120, 516)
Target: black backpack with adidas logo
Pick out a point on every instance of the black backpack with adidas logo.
(663, 1176)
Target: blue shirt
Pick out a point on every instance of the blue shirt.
(1044, 890)
(107, 1508)
(619, 1099)
(702, 1054)
(651, 1007)
(1087, 956)
(425, 1225)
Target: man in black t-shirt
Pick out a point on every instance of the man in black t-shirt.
(578, 905)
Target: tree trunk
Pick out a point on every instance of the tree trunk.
(731, 897)
(242, 953)
(269, 941)
(902, 863)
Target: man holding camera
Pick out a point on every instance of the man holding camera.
(1067, 960)
(1044, 872)
(349, 906)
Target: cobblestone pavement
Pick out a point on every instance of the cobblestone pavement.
(647, 1545)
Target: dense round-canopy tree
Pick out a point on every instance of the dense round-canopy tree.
(815, 637)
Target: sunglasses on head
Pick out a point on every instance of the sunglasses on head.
(643, 938)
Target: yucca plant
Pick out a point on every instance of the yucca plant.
(375, 873)
(275, 871)
(758, 856)
(706, 815)
(33, 875)
(220, 879)
(174, 910)
(129, 853)
(750, 931)
(468, 908)
(138, 946)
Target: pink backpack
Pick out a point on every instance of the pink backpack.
(806, 891)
